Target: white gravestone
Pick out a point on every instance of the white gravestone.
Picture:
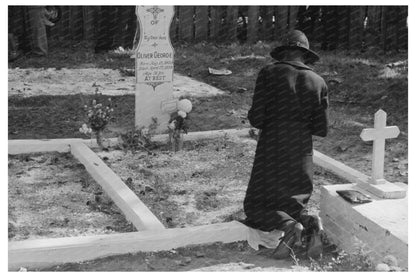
(154, 67)
(377, 184)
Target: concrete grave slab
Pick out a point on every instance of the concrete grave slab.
(379, 227)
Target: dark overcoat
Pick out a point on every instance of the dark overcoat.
(289, 106)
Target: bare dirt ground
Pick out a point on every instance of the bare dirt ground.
(51, 195)
(203, 184)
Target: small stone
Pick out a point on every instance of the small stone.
(246, 266)
(23, 269)
(382, 267)
(390, 260)
(188, 260)
(199, 254)
(395, 268)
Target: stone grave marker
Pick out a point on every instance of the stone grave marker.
(377, 184)
(154, 67)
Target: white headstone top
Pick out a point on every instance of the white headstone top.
(154, 67)
(378, 135)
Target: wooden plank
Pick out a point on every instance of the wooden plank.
(128, 202)
(281, 21)
(191, 136)
(201, 23)
(186, 23)
(293, 15)
(26, 146)
(252, 24)
(232, 17)
(34, 254)
(342, 170)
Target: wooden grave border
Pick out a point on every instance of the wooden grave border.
(152, 236)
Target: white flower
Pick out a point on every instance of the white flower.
(172, 125)
(84, 129)
(145, 131)
(182, 114)
(185, 105)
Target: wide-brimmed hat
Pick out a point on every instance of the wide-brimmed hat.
(295, 40)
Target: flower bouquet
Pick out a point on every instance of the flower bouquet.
(178, 126)
(98, 117)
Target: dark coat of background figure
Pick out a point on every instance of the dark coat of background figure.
(289, 106)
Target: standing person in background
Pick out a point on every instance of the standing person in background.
(289, 106)
(39, 39)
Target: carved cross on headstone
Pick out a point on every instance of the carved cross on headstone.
(378, 135)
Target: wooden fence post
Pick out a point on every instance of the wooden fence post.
(343, 14)
(65, 23)
(201, 23)
(186, 23)
(252, 24)
(173, 32)
(231, 23)
(373, 28)
(88, 22)
(267, 25)
(293, 14)
(389, 22)
(281, 21)
(215, 24)
(401, 28)
(356, 26)
(76, 22)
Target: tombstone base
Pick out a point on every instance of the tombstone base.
(385, 190)
(377, 229)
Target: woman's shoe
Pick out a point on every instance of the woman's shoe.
(314, 242)
(291, 238)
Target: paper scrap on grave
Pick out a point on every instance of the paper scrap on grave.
(219, 71)
(267, 239)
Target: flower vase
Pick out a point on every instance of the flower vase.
(175, 140)
(179, 141)
(99, 138)
(171, 141)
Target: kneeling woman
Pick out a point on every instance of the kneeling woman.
(289, 106)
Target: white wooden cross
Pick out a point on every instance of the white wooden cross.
(379, 134)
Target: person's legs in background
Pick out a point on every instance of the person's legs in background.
(39, 40)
